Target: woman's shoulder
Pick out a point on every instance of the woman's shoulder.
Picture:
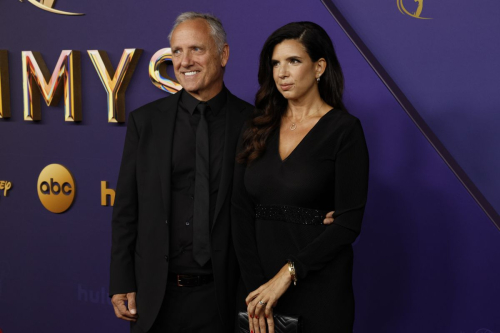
(341, 120)
(341, 129)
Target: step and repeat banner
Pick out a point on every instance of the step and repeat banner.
(70, 73)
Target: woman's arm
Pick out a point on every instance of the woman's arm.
(351, 187)
(243, 230)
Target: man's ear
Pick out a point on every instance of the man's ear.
(224, 55)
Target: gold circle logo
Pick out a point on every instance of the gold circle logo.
(56, 188)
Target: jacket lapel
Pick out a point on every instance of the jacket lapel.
(234, 122)
(163, 133)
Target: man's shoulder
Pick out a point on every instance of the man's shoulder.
(239, 103)
(160, 104)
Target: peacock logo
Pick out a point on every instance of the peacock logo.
(416, 14)
(48, 6)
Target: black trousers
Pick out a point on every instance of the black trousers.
(187, 310)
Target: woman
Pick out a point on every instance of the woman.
(301, 156)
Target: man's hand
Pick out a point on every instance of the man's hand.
(121, 310)
(329, 218)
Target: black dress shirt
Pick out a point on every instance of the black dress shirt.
(183, 176)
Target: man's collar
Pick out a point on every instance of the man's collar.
(216, 103)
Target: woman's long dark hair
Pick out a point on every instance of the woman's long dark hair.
(270, 104)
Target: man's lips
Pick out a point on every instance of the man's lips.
(190, 73)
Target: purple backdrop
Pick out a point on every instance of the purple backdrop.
(427, 258)
(447, 67)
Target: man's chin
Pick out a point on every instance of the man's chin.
(189, 86)
(192, 91)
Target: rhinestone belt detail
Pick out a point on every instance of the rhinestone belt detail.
(290, 214)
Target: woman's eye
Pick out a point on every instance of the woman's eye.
(275, 64)
(294, 61)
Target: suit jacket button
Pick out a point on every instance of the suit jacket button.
(166, 221)
(166, 258)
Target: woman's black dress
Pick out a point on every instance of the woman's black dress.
(277, 213)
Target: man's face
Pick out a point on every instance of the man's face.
(198, 66)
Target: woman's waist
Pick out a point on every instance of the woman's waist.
(290, 214)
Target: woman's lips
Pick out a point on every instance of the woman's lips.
(286, 86)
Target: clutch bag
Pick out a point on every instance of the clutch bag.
(282, 323)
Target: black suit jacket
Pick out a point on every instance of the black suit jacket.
(140, 225)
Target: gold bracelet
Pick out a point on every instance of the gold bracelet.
(291, 269)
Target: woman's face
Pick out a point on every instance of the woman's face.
(293, 70)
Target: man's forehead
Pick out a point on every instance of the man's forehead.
(197, 29)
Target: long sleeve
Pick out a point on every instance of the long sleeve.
(351, 186)
(243, 230)
(125, 217)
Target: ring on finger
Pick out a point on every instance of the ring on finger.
(262, 303)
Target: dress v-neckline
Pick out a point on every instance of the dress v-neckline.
(282, 160)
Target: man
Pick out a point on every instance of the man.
(173, 266)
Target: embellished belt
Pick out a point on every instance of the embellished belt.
(290, 214)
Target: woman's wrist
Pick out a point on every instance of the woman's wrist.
(291, 271)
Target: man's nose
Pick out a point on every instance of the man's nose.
(187, 60)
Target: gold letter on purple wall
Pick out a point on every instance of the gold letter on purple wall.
(158, 71)
(37, 79)
(4, 85)
(115, 82)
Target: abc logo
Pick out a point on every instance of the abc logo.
(56, 188)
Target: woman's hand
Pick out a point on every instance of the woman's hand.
(329, 218)
(260, 302)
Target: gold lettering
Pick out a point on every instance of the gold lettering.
(47, 4)
(115, 82)
(36, 73)
(5, 186)
(56, 188)
(417, 13)
(105, 192)
(8, 186)
(158, 71)
(4, 85)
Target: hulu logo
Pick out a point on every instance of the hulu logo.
(93, 296)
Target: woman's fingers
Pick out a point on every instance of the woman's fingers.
(270, 321)
(262, 324)
(256, 328)
(251, 309)
(269, 309)
(329, 218)
(260, 307)
(250, 324)
(252, 295)
(250, 300)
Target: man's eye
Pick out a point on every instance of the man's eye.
(176, 52)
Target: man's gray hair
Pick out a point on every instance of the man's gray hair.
(217, 31)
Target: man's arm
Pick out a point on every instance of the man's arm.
(124, 229)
